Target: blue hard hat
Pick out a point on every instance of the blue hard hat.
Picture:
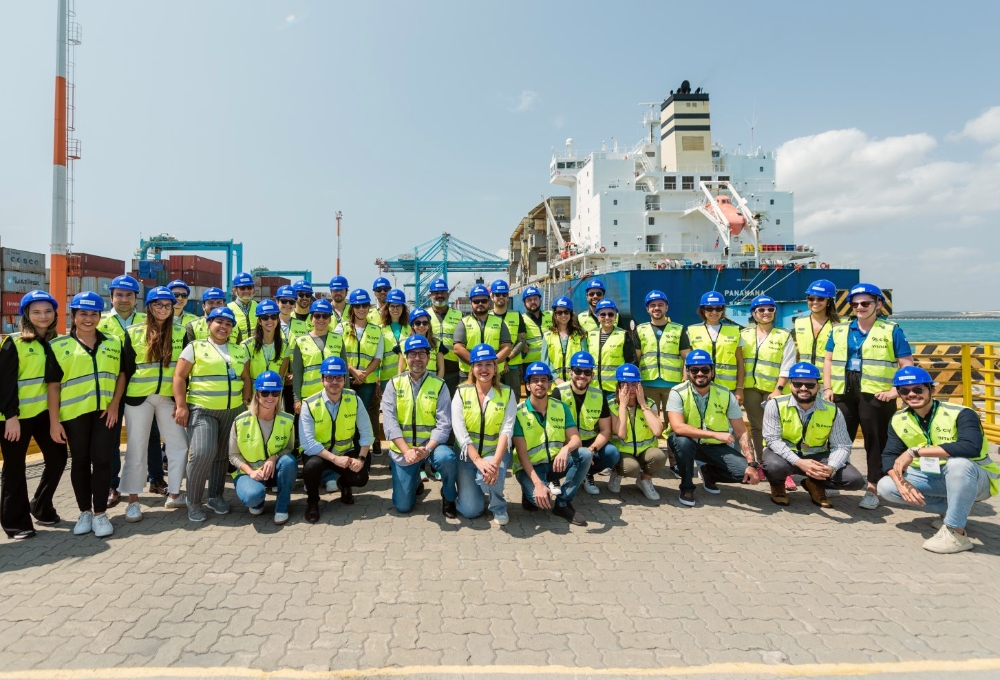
(321, 306)
(333, 366)
(500, 286)
(381, 282)
(698, 357)
(822, 288)
(438, 286)
(285, 292)
(482, 352)
(627, 373)
(581, 360)
(178, 283)
(395, 297)
(654, 295)
(417, 313)
(595, 283)
(339, 283)
(415, 342)
(605, 304)
(125, 282)
(37, 296)
(762, 301)
(359, 296)
(479, 291)
(803, 370)
(537, 368)
(865, 288)
(302, 286)
(911, 375)
(268, 381)
(160, 293)
(529, 292)
(267, 307)
(712, 298)
(213, 294)
(87, 300)
(242, 279)
(224, 313)
(563, 302)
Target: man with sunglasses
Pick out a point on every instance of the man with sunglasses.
(444, 321)
(481, 326)
(862, 356)
(593, 417)
(806, 435)
(304, 296)
(380, 287)
(938, 459)
(211, 299)
(510, 371)
(588, 318)
(338, 297)
(182, 292)
(244, 306)
(707, 421)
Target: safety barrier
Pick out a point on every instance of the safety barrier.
(967, 373)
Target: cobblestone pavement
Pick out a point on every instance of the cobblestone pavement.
(646, 585)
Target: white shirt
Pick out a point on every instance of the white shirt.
(462, 432)
(187, 354)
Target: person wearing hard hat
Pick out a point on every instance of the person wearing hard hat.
(592, 416)
(806, 435)
(416, 415)
(380, 287)
(444, 321)
(267, 348)
(587, 319)
(510, 370)
(364, 348)
(304, 297)
(813, 330)
(149, 359)
(212, 298)
(420, 324)
(261, 445)
(310, 350)
(290, 328)
(482, 417)
(562, 340)
(481, 327)
(338, 297)
(336, 436)
(395, 324)
(636, 426)
(659, 350)
(83, 408)
(182, 293)
(211, 387)
(862, 356)
(721, 339)
(937, 459)
(610, 345)
(27, 366)
(243, 305)
(536, 322)
(551, 462)
(706, 421)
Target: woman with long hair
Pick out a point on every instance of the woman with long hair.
(420, 324)
(268, 349)
(721, 338)
(149, 358)
(562, 340)
(83, 409)
(311, 349)
(363, 350)
(812, 331)
(395, 329)
(27, 364)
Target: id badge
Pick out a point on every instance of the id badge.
(930, 465)
(854, 364)
(232, 373)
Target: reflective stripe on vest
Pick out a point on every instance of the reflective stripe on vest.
(589, 415)
(296, 328)
(359, 355)
(88, 382)
(722, 349)
(111, 324)
(639, 435)
(444, 330)
(312, 360)
(416, 415)
(512, 320)
(490, 334)
(715, 418)
(391, 349)
(558, 360)
(761, 368)
(608, 356)
(199, 328)
(660, 357)
(543, 443)
(812, 347)
(151, 377)
(250, 438)
(32, 390)
(484, 430)
(878, 358)
(258, 362)
(817, 435)
(246, 321)
(210, 384)
(346, 426)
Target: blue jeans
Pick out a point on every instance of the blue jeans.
(251, 492)
(406, 478)
(471, 488)
(576, 471)
(951, 493)
(606, 457)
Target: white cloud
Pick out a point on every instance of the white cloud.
(985, 128)
(525, 101)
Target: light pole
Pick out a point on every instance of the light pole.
(339, 215)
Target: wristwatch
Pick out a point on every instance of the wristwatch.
(754, 464)
(915, 451)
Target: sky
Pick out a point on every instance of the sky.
(257, 120)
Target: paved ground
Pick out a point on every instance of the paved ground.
(645, 586)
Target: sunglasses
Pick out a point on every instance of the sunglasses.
(423, 322)
(501, 294)
(906, 391)
(381, 290)
(813, 298)
(766, 310)
(799, 385)
(561, 312)
(305, 295)
(480, 301)
(709, 310)
(696, 370)
(606, 315)
(180, 296)
(244, 287)
(583, 371)
(286, 302)
(595, 293)
(862, 303)
(320, 316)
(269, 393)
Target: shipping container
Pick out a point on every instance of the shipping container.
(22, 282)
(10, 303)
(22, 261)
(73, 285)
(88, 283)
(148, 268)
(197, 293)
(96, 263)
(103, 286)
(199, 278)
(163, 278)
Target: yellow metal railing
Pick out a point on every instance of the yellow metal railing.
(966, 373)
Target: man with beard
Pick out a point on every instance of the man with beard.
(807, 435)
(338, 296)
(536, 322)
(381, 288)
(444, 320)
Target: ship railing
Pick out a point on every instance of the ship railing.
(965, 373)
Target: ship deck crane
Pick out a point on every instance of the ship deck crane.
(437, 257)
(155, 246)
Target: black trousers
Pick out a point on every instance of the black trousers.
(872, 416)
(312, 474)
(115, 453)
(91, 443)
(15, 509)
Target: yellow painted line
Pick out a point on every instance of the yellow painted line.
(729, 669)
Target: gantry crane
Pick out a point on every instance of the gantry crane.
(294, 274)
(157, 244)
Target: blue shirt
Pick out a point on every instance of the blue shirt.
(855, 338)
(570, 421)
(307, 426)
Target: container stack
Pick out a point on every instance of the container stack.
(267, 286)
(195, 270)
(92, 272)
(21, 271)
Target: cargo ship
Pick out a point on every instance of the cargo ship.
(674, 212)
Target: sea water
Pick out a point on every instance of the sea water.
(951, 330)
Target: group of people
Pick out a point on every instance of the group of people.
(252, 389)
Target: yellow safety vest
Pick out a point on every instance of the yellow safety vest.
(943, 429)
(722, 349)
(484, 424)
(559, 360)
(432, 362)
(296, 328)
(359, 355)
(111, 324)
(512, 320)
(490, 334)
(660, 358)
(312, 360)
(184, 319)
(609, 356)
(346, 425)
(444, 330)
(816, 439)
(246, 321)
(878, 358)
(812, 348)
(417, 416)
(32, 390)
(88, 382)
(589, 414)
(391, 349)
(639, 435)
(375, 314)
(215, 383)
(587, 321)
(199, 328)
(715, 417)
(543, 442)
(151, 377)
(258, 362)
(250, 438)
(533, 332)
(761, 367)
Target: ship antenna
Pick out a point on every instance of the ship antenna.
(753, 125)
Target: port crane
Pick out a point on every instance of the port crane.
(155, 245)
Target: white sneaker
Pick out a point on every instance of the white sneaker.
(280, 517)
(946, 541)
(331, 486)
(501, 520)
(102, 526)
(257, 511)
(647, 488)
(133, 513)
(590, 487)
(614, 482)
(175, 503)
(869, 502)
(85, 524)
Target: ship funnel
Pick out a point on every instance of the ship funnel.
(685, 130)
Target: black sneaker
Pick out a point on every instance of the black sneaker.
(687, 498)
(527, 504)
(708, 480)
(448, 508)
(569, 513)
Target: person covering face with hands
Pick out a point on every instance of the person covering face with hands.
(636, 426)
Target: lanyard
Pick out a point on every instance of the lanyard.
(930, 419)
(631, 420)
(805, 427)
(482, 421)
